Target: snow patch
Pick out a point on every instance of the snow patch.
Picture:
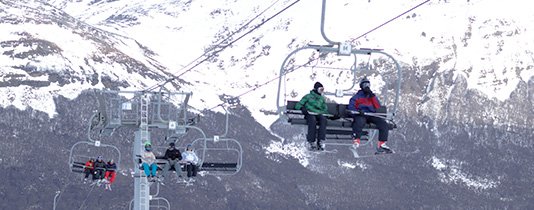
(348, 165)
(293, 150)
(450, 171)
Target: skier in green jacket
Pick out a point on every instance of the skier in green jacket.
(313, 106)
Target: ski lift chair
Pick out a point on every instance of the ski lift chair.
(338, 129)
(77, 158)
(220, 156)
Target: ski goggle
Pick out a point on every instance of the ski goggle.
(366, 84)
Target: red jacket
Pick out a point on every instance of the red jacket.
(89, 164)
(362, 102)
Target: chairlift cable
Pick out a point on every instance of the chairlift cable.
(269, 81)
(297, 67)
(87, 196)
(216, 51)
(392, 19)
(224, 40)
(264, 83)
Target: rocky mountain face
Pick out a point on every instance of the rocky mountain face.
(46, 53)
(463, 148)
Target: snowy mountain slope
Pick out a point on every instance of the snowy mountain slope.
(466, 99)
(490, 49)
(46, 53)
(463, 49)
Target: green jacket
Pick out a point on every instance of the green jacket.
(313, 102)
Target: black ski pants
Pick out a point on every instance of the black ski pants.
(359, 122)
(98, 174)
(191, 169)
(312, 121)
(87, 172)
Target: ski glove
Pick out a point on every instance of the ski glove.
(368, 92)
(304, 110)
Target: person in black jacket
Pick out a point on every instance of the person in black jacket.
(100, 168)
(173, 157)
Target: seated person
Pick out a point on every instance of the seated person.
(89, 167)
(149, 161)
(365, 101)
(173, 157)
(316, 103)
(191, 160)
(100, 168)
(110, 173)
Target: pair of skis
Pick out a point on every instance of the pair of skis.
(354, 150)
(101, 182)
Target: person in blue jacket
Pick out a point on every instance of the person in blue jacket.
(365, 101)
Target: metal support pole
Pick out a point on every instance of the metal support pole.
(141, 185)
(55, 199)
(322, 25)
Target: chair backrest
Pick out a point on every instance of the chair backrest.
(332, 108)
(382, 109)
(342, 108)
(291, 105)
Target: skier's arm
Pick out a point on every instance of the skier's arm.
(301, 103)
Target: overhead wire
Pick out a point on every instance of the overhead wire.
(220, 43)
(264, 83)
(87, 196)
(250, 31)
(297, 67)
(218, 48)
(212, 51)
(392, 19)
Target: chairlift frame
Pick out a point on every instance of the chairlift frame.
(325, 49)
(92, 143)
(118, 108)
(341, 49)
(218, 169)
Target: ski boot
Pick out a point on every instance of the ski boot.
(383, 149)
(312, 146)
(320, 146)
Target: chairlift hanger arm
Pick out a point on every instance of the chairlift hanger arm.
(399, 74)
(227, 117)
(71, 154)
(323, 11)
